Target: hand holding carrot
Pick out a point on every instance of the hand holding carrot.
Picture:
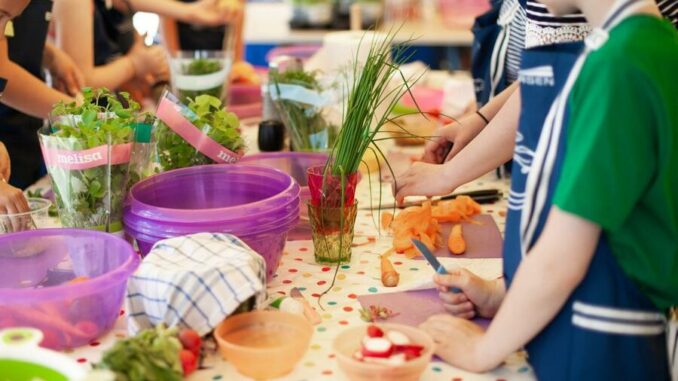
(478, 296)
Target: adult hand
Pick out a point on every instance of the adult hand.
(66, 75)
(149, 61)
(5, 163)
(213, 12)
(478, 296)
(452, 138)
(422, 179)
(457, 341)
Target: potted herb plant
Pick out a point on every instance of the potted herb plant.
(376, 87)
(200, 72)
(301, 103)
(202, 132)
(87, 149)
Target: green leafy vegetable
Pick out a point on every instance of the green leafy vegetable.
(91, 198)
(209, 116)
(201, 66)
(306, 124)
(152, 355)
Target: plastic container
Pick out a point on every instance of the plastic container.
(22, 360)
(200, 72)
(68, 283)
(245, 100)
(259, 205)
(264, 344)
(36, 218)
(349, 341)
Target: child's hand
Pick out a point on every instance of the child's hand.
(478, 296)
(452, 138)
(66, 75)
(421, 179)
(5, 163)
(12, 200)
(457, 342)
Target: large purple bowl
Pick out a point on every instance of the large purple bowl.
(69, 283)
(259, 205)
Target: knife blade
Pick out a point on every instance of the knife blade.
(432, 260)
(482, 196)
(310, 313)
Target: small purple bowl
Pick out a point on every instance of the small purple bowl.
(69, 283)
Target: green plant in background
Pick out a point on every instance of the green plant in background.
(201, 66)
(91, 198)
(209, 116)
(306, 124)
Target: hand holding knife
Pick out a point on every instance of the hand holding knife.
(432, 260)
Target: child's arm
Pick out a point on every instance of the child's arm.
(491, 148)
(25, 92)
(202, 12)
(545, 279)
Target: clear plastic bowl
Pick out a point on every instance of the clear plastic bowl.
(36, 218)
(200, 72)
(264, 344)
(349, 341)
(68, 283)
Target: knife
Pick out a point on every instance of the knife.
(432, 260)
(310, 313)
(483, 196)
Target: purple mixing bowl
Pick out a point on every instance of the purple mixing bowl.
(69, 283)
(212, 192)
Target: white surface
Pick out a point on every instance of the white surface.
(268, 23)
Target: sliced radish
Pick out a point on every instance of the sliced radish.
(377, 347)
(374, 331)
(397, 338)
(411, 351)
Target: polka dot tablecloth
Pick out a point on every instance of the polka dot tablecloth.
(360, 276)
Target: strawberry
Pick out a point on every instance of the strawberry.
(190, 340)
(189, 362)
(374, 331)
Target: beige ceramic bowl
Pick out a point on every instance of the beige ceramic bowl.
(264, 344)
(348, 342)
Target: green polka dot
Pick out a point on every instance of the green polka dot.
(322, 329)
(217, 377)
(414, 269)
(302, 288)
(332, 303)
(523, 369)
(309, 364)
(345, 267)
(437, 369)
(372, 289)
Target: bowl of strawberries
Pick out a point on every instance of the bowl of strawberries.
(383, 352)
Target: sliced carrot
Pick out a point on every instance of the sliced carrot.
(411, 253)
(386, 219)
(402, 243)
(426, 240)
(389, 275)
(456, 242)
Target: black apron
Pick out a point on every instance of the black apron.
(19, 131)
(485, 34)
(195, 37)
(114, 33)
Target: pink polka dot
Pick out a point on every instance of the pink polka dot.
(81, 360)
(343, 322)
(360, 273)
(94, 344)
(457, 379)
(281, 292)
(315, 295)
(303, 249)
(326, 269)
(397, 263)
(298, 259)
(293, 270)
(287, 281)
(327, 372)
(348, 309)
(331, 356)
(352, 296)
(321, 282)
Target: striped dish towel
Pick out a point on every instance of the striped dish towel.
(194, 281)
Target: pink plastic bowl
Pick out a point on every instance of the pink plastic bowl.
(69, 283)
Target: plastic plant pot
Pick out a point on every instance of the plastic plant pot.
(36, 218)
(200, 72)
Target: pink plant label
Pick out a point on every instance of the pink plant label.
(89, 158)
(169, 113)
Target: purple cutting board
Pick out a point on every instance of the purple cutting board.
(412, 307)
(483, 239)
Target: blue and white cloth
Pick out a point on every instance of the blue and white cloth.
(194, 281)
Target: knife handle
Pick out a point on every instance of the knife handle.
(441, 270)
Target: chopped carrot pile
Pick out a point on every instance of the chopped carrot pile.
(423, 223)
